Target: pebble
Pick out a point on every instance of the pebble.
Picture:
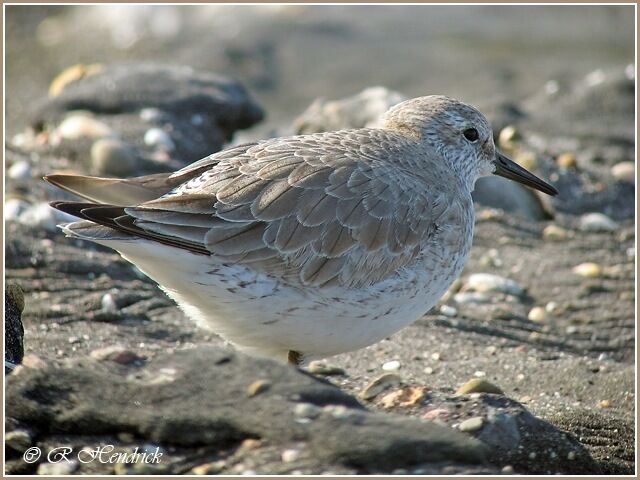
(15, 207)
(537, 314)
(156, 137)
(507, 136)
(72, 74)
(250, 444)
(486, 282)
(19, 440)
(404, 397)
(478, 385)
(77, 126)
(20, 170)
(555, 233)
(624, 171)
(108, 304)
(588, 270)
(290, 455)
(566, 160)
(604, 404)
(448, 310)
(551, 307)
(597, 222)
(471, 425)
(437, 413)
(110, 156)
(571, 455)
(471, 298)
(527, 160)
(42, 215)
(318, 367)
(507, 470)
(379, 385)
(391, 366)
(115, 353)
(212, 468)
(150, 115)
(258, 387)
(306, 410)
(60, 468)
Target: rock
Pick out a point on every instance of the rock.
(72, 74)
(108, 304)
(379, 385)
(471, 424)
(322, 368)
(507, 137)
(404, 397)
(624, 171)
(588, 270)
(19, 171)
(486, 282)
(465, 298)
(212, 468)
(119, 94)
(43, 216)
(79, 126)
(14, 207)
(192, 410)
(512, 197)
(258, 387)
(306, 411)
(391, 366)
(537, 314)
(555, 233)
(19, 440)
(477, 385)
(59, 468)
(597, 222)
(13, 329)
(110, 156)
(448, 311)
(359, 111)
(566, 160)
(526, 159)
(156, 137)
(290, 455)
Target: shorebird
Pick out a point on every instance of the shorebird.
(303, 247)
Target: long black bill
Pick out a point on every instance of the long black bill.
(509, 169)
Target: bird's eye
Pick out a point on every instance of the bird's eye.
(471, 134)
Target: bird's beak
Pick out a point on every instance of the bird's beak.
(509, 169)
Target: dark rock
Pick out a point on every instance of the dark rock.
(13, 329)
(199, 111)
(174, 401)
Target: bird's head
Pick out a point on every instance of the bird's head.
(461, 135)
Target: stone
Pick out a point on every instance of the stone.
(588, 270)
(391, 366)
(358, 111)
(318, 367)
(110, 156)
(471, 424)
(537, 314)
(486, 282)
(624, 172)
(257, 387)
(477, 385)
(77, 126)
(19, 440)
(597, 222)
(20, 170)
(554, 233)
(566, 160)
(379, 385)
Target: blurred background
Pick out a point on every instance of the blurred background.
(288, 55)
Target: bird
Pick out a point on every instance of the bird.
(303, 247)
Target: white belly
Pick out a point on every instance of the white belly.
(264, 316)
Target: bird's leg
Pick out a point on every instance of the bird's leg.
(294, 358)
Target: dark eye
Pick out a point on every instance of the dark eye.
(471, 134)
